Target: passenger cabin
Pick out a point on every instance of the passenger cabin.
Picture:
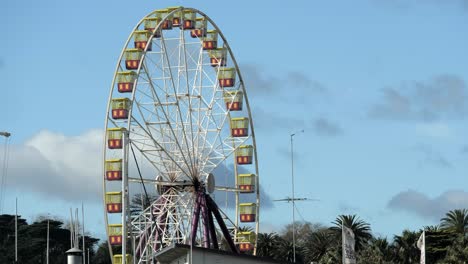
(176, 17)
(226, 77)
(247, 212)
(233, 100)
(115, 234)
(120, 108)
(245, 240)
(132, 58)
(246, 182)
(114, 202)
(141, 39)
(239, 127)
(244, 154)
(210, 41)
(189, 19)
(199, 29)
(125, 81)
(114, 137)
(151, 23)
(114, 169)
(218, 57)
(118, 259)
(163, 15)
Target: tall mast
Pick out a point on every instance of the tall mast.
(48, 227)
(83, 237)
(16, 230)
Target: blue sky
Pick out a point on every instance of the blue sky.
(380, 87)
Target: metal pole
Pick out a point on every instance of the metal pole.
(16, 230)
(294, 217)
(82, 220)
(293, 198)
(48, 227)
(124, 198)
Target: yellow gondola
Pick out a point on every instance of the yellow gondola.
(141, 39)
(210, 41)
(114, 137)
(125, 81)
(239, 127)
(120, 108)
(233, 100)
(115, 234)
(118, 259)
(247, 212)
(226, 77)
(246, 240)
(246, 182)
(218, 57)
(114, 202)
(200, 27)
(114, 170)
(132, 58)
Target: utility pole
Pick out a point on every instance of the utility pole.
(293, 200)
(16, 230)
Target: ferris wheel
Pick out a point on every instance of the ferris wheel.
(180, 162)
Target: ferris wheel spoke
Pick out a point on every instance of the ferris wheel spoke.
(189, 112)
(167, 61)
(159, 146)
(168, 121)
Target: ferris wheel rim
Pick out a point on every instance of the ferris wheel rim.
(241, 86)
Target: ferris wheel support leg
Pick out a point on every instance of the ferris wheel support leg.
(206, 223)
(214, 239)
(196, 217)
(221, 223)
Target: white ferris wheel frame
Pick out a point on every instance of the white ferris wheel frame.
(231, 143)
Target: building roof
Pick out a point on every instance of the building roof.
(178, 250)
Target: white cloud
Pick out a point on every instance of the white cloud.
(67, 167)
(420, 204)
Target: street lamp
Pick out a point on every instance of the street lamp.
(293, 199)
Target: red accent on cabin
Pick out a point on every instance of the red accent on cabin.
(226, 82)
(114, 175)
(188, 24)
(114, 143)
(244, 160)
(247, 217)
(197, 33)
(141, 45)
(246, 188)
(215, 62)
(119, 113)
(167, 24)
(245, 247)
(176, 22)
(234, 106)
(239, 132)
(132, 64)
(126, 87)
(115, 240)
(114, 208)
(209, 44)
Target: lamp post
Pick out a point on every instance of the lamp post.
(293, 199)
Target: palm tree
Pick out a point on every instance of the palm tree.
(267, 244)
(456, 221)
(377, 251)
(404, 247)
(361, 229)
(317, 245)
